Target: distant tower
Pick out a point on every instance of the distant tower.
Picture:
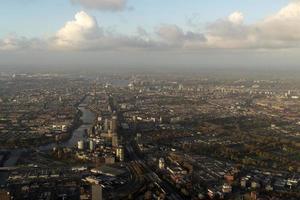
(91, 145)
(115, 140)
(109, 133)
(120, 153)
(80, 145)
(161, 163)
(180, 87)
(114, 124)
(106, 125)
(96, 192)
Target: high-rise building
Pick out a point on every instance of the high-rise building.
(120, 153)
(226, 188)
(91, 145)
(115, 140)
(110, 133)
(96, 192)
(106, 125)
(161, 163)
(114, 124)
(80, 144)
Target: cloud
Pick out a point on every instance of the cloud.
(236, 18)
(278, 31)
(174, 36)
(78, 32)
(230, 32)
(282, 26)
(84, 33)
(15, 43)
(111, 5)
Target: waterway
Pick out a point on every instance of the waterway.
(78, 134)
(87, 119)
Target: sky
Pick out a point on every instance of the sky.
(145, 33)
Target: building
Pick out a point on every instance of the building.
(226, 188)
(120, 153)
(161, 163)
(4, 195)
(110, 160)
(115, 140)
(106, 125)
(80, 145)
(109, 133)
(91, 145)
(114, 124)
(243, 182)
(96, 192)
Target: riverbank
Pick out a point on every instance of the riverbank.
(86, 119)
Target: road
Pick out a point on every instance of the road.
(151, 176)
(140, 172)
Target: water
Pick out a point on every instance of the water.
(87, 118)
(10, 162)
(78, 134)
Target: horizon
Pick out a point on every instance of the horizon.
(131, 33)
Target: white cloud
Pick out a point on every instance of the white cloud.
(112, 5)
(283, 26)
(278, 31)
(13, 43)
(229, 33)
(84, 33)
(236, 18)
(78, 32)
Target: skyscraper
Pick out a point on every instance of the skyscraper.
(120, 153)
(114, 124)
(115, 140)
(91, 145)
(106, 125)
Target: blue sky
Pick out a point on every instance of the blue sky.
(171, 32)
(34, 18)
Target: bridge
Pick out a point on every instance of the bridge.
(8, 169)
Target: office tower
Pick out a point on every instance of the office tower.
(91, 145)
(106, 125)
(115, 140)
(120, 153)
(114, 124)
(161, 163)
(110, 133)
(80, 145)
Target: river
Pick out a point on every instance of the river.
(87, 118)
